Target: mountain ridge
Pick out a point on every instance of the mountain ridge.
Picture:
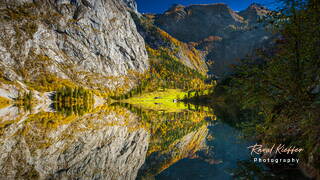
(238, 34)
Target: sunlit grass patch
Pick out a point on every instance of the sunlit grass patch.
(166, 100)
(159, 100)
(160, 96)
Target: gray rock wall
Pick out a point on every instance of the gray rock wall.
(72, 39)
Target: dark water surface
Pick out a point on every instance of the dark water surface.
(226, 150)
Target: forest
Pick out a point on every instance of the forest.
(276, 95)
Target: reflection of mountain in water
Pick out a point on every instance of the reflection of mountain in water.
(174, 136)
(100, 145)
(107, 142)
(186, 147)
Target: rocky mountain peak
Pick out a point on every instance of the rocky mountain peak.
(175, 8)
(132, 4)
(254, 12)
(213, 6)
(197, 22)
(216, 8)
(256, 6)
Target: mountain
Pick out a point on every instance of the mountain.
(132, 4)
(196, 22)
(158, 41)
(224, 34)
(102, 45)
(106, 45)
(254, 12)
(88, 43)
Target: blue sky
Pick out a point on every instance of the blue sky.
(159, 6)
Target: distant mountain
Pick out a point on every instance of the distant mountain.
(254, 12)
(224, 34)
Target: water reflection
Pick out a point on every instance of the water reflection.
(225, 150)
(174, 136)
(106, 142)
(122, 141)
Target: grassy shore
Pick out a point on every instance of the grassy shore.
(162, 101)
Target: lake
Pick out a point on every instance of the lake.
(122, 141)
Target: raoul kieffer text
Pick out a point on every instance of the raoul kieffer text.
(274, 149)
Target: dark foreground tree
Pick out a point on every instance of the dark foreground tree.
(284, 86)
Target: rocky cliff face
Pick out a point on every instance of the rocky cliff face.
(226, 35)
(132, 4)
(84, 41)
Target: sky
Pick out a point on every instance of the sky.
(159, 6)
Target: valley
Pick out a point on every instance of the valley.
(97, 90)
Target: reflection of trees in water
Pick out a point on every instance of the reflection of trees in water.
(69, 109)
(174, 135)
(166, 127)
(24, 101)
(25, 107)
(66, 100)
(187, 146)
(70, 101)
(53, 144)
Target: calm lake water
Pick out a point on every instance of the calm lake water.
(225, 151)
(121, 141)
